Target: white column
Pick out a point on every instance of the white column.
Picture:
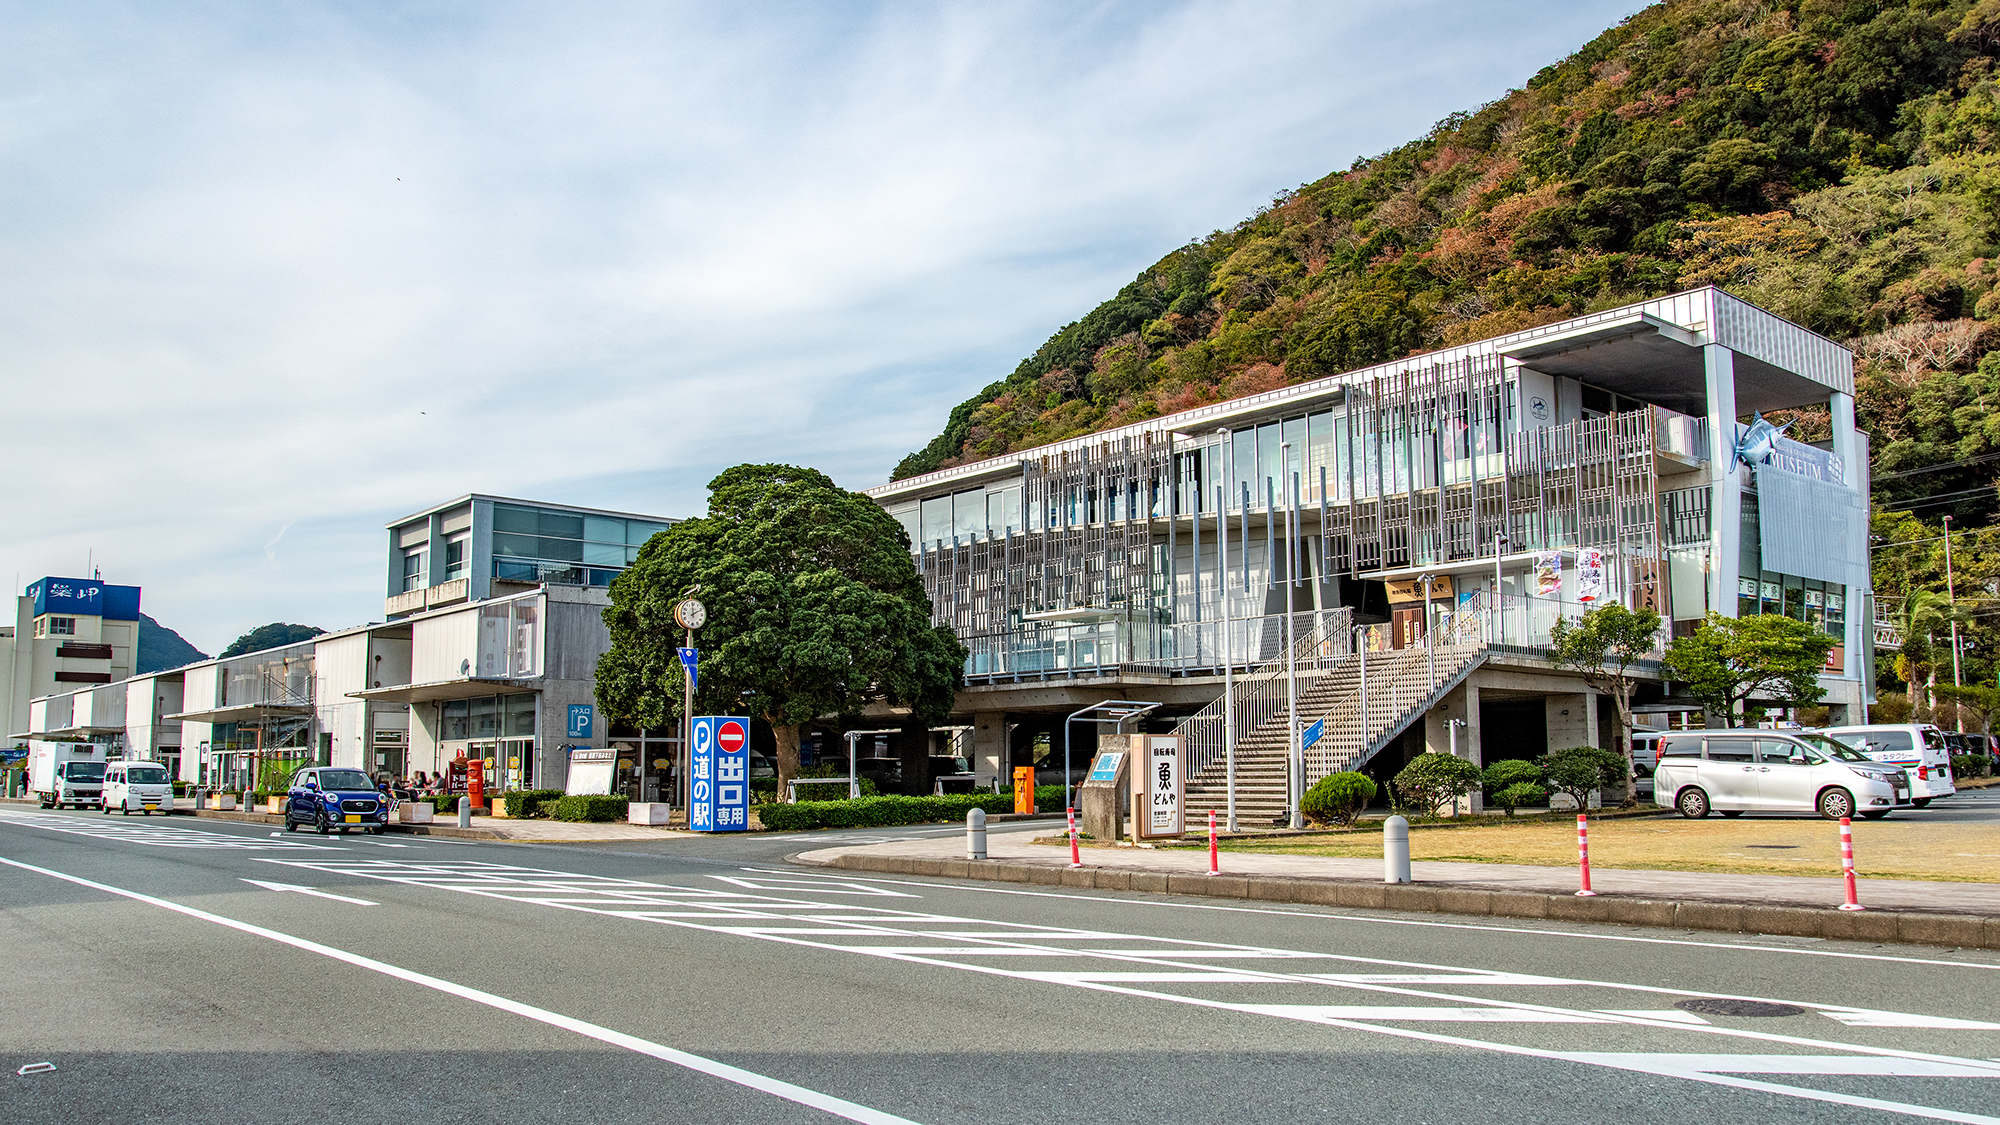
(1851, 446)
(1725, 507)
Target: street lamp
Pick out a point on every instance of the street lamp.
(1295, 756)
(1951, 604)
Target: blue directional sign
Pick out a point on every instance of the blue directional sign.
(689, 658)
(719, 774)
(581, 720)
(1312, 735)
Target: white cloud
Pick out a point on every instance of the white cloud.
(272, 275)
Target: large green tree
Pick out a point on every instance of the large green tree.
(274, 635)
(1729, 660)
(1602, 645)
(814, 609)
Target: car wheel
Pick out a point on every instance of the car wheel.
(1836, 803)
(319, 822)
(126, 809)
(1730, 812)
(1878, 814)
(290, 824)
(1921, 802)
(1692, 803)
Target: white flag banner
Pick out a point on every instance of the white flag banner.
(1589, 574)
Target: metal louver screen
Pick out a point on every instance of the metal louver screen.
(1811, 528)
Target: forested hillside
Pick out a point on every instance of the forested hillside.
(1834, 162)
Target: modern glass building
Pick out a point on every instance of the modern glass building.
(1485, 489)
(476, 547)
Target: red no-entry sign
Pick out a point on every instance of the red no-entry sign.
(730, 737)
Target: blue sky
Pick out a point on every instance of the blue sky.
(275, 274)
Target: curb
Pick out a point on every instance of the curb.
(1961, 930)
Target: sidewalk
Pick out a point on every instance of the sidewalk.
(1931, 913)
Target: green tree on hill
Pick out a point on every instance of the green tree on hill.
(274, 635)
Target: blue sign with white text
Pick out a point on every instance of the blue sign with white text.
(719, 774)
(85, 597)
(689, 658)
(582, 718)
(1312, 735)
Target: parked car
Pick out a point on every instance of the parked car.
(137, 785)
(1734, 772)
(1917, 747)
(330, 797)
(1645, 752)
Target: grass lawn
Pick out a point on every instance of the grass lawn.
(1898, 848)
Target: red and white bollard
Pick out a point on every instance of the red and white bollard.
(1847, 864)
(1075, 856)
(1214, 861)
(1583, 855)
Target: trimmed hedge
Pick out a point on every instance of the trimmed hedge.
(528, 802)
(1970, 765)
(591, 808)
(877, 812)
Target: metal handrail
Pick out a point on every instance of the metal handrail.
(1260, 692)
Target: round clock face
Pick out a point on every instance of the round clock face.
(691, 614)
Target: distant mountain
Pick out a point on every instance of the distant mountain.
(161, 648)
(271, 636)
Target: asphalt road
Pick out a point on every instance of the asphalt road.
(706, 981)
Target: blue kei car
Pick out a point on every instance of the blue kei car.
(328, 797)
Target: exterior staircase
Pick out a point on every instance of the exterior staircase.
(1402, 685)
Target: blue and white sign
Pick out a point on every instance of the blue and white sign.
(582, 719)
(85, 597)
(1312, 734)
(689, 658)
(719, 774)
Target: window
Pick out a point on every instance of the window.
(1730, 750)
(60, 626)
(413, 568)
(454, 557)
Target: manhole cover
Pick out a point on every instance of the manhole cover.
(1717, 1006)
(1775, 847)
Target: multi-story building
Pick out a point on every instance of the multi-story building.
(489, 662)
(1451, 505)
(67, 632)
(478, 547)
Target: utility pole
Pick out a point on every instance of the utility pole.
(1228, 648)
(1951, 604)
(1294, 755)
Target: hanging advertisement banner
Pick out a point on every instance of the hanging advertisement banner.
(1549, 574)
(1589, 574)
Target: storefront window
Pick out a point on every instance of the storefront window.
(519, 714)
(457, 723)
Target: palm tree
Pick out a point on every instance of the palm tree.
(1922, 613)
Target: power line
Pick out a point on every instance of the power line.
(1880, 477)
(1941, 498)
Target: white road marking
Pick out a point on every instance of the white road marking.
(1426, 924)
(839, 1107)
(702, 908)
(1671, 1015)
(794, 884)
(1862, 1018)
(1320, 1012)
(1782, 1064)
(151, 835)
(313, 891)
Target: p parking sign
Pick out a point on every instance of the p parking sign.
(719, 774)
(581, 719)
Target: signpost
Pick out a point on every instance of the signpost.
(719, 775)
(1313, 734)
(582, 720)
(591, 770)
(1158, 785)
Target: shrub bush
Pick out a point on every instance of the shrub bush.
(1520, 793)
(877, 812)
(1970, 765)
(594, 807)
(528, 802)
(547, 809)
(444, 804)
(1338, 798)
(1431, 781)
(1580, 769)
(1511, 771)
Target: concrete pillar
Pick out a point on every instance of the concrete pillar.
(1461, 703)
(1725, 510)
(989, 744)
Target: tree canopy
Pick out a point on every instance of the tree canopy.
(1601, 646)
(270, 636)
(1729, 660)
(814, 609)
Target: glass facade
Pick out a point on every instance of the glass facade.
(1822, 604)
(567, 548)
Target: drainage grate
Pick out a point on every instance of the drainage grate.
(1723, 1006)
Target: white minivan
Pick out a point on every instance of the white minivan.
(142, 786)
(1739, 771)
(1917, 747)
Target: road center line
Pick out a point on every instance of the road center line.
(838, 1107)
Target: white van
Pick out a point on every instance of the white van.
(1917, 747)
(1737, 771)
(137, 785)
